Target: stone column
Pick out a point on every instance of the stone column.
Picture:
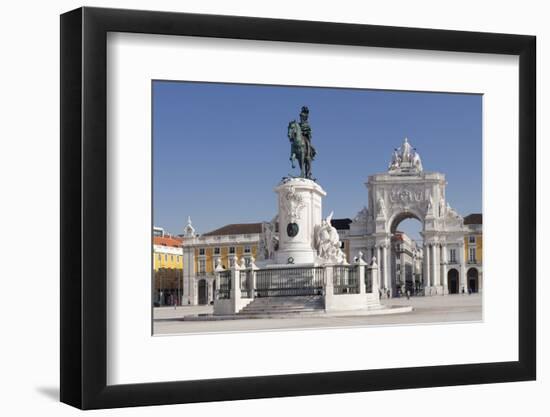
(437, 266)
(427, 266)
(210, 290)
(379, 256)
(188, 275)
(462, 279)
(444, 269)
(402, 274)
(387, 283)
(413, 271)
(435, 275)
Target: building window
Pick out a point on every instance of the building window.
(472, 257)
(216, 251)
(166, 258)
(171, 258)
(472, 239)
(247, 261)
(247, 249)
(232, 250)
(202, 266)
(201, 251)
(342, 244)
(159, 258)
(231, 262)
(452, 255)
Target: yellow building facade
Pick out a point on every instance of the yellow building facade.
(201, 253)
(167, 270)
(206, 257)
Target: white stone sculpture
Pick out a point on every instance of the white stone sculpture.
(269, 240)
(430, 206)
(395, 160)
(441, 207)
(417, 162)
(405, 160)
(381, 207)
(294, 203)
(362, 216)
(327, 243)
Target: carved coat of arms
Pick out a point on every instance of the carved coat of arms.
(293, 204)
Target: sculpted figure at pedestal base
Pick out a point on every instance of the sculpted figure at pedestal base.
(328, 244)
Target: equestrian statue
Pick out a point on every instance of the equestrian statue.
(301, 149)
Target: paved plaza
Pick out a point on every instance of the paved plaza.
(426, 310)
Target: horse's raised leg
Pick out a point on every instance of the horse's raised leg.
(292, 161)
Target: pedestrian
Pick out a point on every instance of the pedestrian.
(388, 293)
(408, 294)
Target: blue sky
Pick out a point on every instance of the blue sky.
(220, 149)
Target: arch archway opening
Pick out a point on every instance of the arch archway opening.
(473, 280)
(452, 281)
(406, 258)
(203, 292)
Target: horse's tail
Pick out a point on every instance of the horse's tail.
(313, 152)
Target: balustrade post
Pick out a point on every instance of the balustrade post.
(374, 276)
(329, 280)
(328, 286)
(217, 272)
(235, 280)
(252, 282)
(360, 265)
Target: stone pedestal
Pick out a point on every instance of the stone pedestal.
(300, 212)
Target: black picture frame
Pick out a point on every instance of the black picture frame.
(84, 179)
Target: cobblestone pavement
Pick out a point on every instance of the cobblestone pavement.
(436, 309)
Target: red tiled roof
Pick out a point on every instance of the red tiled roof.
(167, 241)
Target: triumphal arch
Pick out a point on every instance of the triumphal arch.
(405, 191)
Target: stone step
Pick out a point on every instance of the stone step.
(289, 311)
(279, 306)
(297, 299)
(286, 304)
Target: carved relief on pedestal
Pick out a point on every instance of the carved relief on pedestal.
(293, 204)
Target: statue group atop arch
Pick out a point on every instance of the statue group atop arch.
(405, 160)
